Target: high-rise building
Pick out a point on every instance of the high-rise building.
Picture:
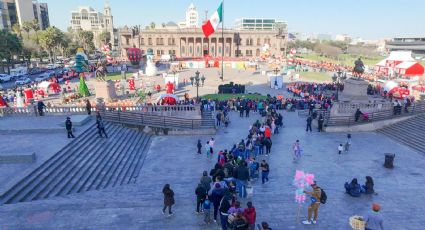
(259, 24)
(19, 11)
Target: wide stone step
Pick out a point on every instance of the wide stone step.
(87, 163)
(134, 172)
(91, 161)
(48, 165)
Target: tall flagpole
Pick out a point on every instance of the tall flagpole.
(222, 41)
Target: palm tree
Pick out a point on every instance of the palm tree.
(36, 28)
(27, 27)
(17, 29)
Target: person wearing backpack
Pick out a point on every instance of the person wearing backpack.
(315, 203)
(201, 194)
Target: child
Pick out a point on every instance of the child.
(340, 148)
(207, 209)
(208, 150)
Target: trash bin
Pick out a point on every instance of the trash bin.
(389, 160)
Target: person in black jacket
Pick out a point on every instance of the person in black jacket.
(88, 107)
(199, 146)
(40, 107)
(309, 120)
(224, 209)
(68, 126)
(320, 123)
(268, 144)
(101, 128)
(201, 193)
(242, 178)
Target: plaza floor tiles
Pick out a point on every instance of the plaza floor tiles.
(173, 159)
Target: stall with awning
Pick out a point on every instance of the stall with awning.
(409, 69)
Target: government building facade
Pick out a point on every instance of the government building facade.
(191, 42)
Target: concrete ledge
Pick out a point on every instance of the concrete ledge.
(367, 126)
(17, 158)
(78, 120)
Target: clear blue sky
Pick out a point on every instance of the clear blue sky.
(369, 19)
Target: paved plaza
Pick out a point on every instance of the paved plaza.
(172, 159)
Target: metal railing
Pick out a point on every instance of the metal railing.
(140, 119)
(416, 108)
(159, 110)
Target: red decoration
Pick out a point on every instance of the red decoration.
(134, 55)
(158, 88)
(131, 84)
(169, 87)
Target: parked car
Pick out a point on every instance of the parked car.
(23, 80)
(36, 70)
(5, 78)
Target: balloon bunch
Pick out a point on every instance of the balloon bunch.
(301, 181)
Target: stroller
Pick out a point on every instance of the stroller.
(365, 116)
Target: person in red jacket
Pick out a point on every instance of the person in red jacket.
(267, 132)
(250, 215)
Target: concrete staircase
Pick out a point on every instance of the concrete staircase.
(208, 121)
(87, 163)
(410, 132)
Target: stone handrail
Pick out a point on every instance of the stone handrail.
(140, 119)
(348, 108)
(161, 110)
(416, 108)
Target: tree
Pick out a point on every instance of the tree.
(36, 28)
(105, 37)
(86, 38)
(27, 27)
(50, 39)
(83, 90)
(17, 29)
(153, 25)
(327, 50)
(10, 46)
(163, 25)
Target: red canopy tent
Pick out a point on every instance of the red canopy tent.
(409, 68)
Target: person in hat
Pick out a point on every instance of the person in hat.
(68, 126)
(374, 219)
(315, 203)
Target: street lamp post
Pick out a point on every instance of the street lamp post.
(197, 82)
(276, 71)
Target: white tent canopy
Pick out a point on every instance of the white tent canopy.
(405, 64)
(400, 56)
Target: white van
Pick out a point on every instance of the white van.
(18, 71)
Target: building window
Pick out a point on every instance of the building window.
(127, 41)
(150, 41)
(142, 41)
(258, 41)
(158, 52)
(212, 50)
(190, 49)
(183, 50)
(198, 50)
(249, 53)
(219, 49)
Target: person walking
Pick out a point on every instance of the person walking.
(268, 143)
(216, 194)
(201, 194)
(309, 120)
(40, 107)
(218, 118)
(68, 126)
(199, 146)
(320, 122)
(297, 150)
(88, 107)
(374, 220)
(247, 109)
(265, 169)
(206, 181)
(101, 128)
(316, 194)
(340, 148)
(208, 150)
(348, 143)
(168, 199)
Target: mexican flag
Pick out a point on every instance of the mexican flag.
(211, 26)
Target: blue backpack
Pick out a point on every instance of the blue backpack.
(207, 204)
